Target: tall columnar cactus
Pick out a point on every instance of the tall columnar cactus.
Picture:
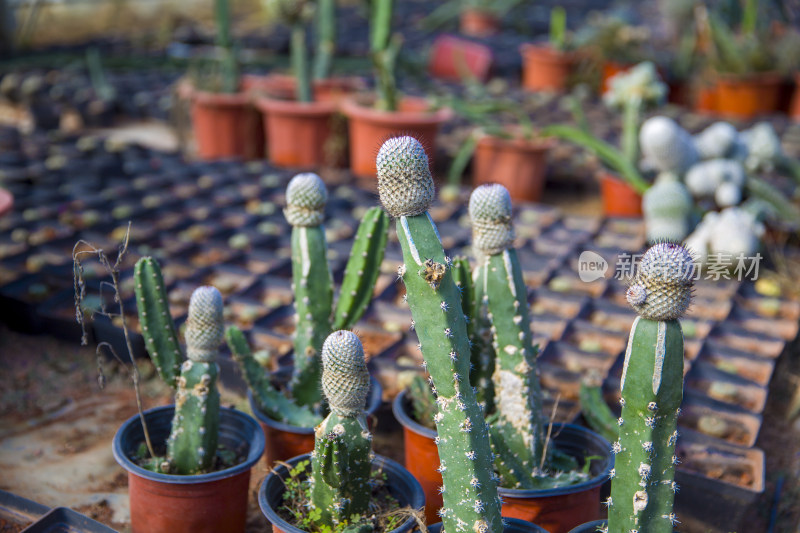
(341, 463)
(192, 444)
(306, 197)
(643, 486)
(406, 190)
(518, 435)
(229, 66)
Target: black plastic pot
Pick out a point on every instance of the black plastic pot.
(590, 527)
(512, 525)
(215, 502)
(401, 484)
(18, 510)
(62, 519)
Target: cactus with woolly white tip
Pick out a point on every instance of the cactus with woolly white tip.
(719, 140)
(666, 145)
(470, 487)
(667, 209)
(342, 458)
(643, 486)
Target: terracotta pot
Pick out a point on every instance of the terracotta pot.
(400, 483)
(284, 441)
(298, 133)
(283, 86)
(455, 59)
(208, 503)
(518, 164)
(794, 107)
(748, 96)
(608, 71)
(545, 69)
(224, 124)
(559, 510)
(421, 455)
(619, 198)
(705, 98)
(512, 525)
(477, 23)
(369, 128)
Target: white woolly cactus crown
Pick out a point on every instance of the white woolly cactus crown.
(204, 327)
(666, 145)
(306, 197)
(345, 378)
(490, 211)
(662, 288)
(405, 183)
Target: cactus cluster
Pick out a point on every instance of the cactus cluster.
(643, 486)
(470, 486)
(192, 444)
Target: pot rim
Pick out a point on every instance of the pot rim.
(209, 98)
(281, 106)
(537, 144)
(417, 496)
(352, 107)
(507, 521)
(254, 453)
(405, 419)
(767, 77)
(545, 49)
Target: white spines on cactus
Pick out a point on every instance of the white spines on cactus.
(703, 178)
(204, 326)
(490, 211)
(662, 288)
(718, 140)
(666, 145)
(306, 196)
(640, 83)
(667, 208)
(763, 147)
(405, 183)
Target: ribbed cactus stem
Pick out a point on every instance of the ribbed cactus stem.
(306, 197)
(192, 444)
(470, 486)
(158, 329)
(341, 463)
(518, 438)
(643, 486)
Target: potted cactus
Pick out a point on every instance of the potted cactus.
(341, 482)
(289, 423)
(389, 113)
(209, 450)
(642, 483)
(548, 66)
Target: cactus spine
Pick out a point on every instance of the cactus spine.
(160, 335)
(406, 190)
(306, 196)
(192, 444)
(518, 437)
(643, 486)
(341, 463)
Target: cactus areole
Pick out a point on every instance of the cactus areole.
(643, 486)
(469, 491)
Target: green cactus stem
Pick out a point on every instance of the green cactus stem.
(229, 67)
(384, 48)
(518, 435)
(192, 444)
(342, 459)
(300, 66)
(158, 329)
(406, 191)
(362, 268)
(306, 196)
(595, 409)
(326, 38)
(643, 486)
(269, 399)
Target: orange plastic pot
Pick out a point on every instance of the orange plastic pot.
(705, 99)
(421, 456)
(518, 164)
(224, 125)
(452, 58)
(545, 69)
(478, 23)
(205, 503)
(748, 96)
(298, 133)
(369, 128)
(619, 198)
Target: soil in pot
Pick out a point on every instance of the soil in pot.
(223, 126)
(516, 163)
(619, 198)
(215, 502)
(399, 486)
(546, 69)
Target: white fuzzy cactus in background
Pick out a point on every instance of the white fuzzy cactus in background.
(639, 84)
(763, 147)
(703, 178)
(667, 207)
(666, 145)
(717, 141)
(733, 232)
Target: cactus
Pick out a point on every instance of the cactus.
(518, 435)
(267, 397)
(594, 408)
(558, 28)
(384, 48)
(719, 140)
(306, 196)
(643, 486)
(341, 463)
(192, 444)
(765, 153)
(325, 21)
(406, 191)
(229, 67)
(704, 178)
(158, 329)
(669, 147)
(667, 208)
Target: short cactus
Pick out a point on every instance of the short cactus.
(719, 140)
(306, 197)
(666, 145)
(765, 153)
(667, 208)
(470, 489)
(341, 463)
(643, 486)
(704, 178)
(518, 435)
